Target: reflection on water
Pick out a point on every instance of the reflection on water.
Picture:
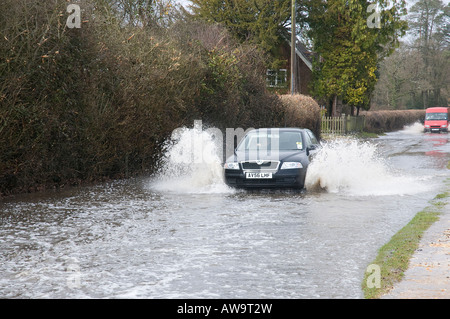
(162, 238)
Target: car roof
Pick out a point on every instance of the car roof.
(436, 109)
(280, 129)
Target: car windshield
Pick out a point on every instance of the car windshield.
(271, 139)
(436, 116)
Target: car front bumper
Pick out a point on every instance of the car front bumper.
(289, 178)
(436, 130)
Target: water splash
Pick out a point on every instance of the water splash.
(413, 129)
(356, 168)
(191, 164)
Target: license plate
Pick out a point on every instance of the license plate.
(258, 175)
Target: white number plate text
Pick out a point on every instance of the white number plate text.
(258, 175)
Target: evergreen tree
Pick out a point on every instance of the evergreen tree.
(349, 45)
(261, 22)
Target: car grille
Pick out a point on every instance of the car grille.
(273, 165)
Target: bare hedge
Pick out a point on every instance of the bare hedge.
(391, 120)
(98, 102)
(301, 111)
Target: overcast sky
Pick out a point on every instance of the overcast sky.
(184, 2)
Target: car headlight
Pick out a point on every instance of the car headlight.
(443, 125)
(288, 165)
(233, 165)
(427, 126)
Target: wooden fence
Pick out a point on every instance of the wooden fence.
(342, 125)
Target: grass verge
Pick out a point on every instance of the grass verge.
(393, 258)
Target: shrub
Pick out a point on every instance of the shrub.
(387, 121)
(301, 111)
(98, 102)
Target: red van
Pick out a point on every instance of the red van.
(436, 120)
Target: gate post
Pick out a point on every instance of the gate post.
(344, 124)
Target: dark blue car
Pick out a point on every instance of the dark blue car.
(271, 157)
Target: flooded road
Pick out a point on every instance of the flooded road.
(186, 235)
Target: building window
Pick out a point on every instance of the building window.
(276, 78)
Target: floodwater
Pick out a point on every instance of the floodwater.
(184, 234)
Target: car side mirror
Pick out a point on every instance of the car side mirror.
(310, 148)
